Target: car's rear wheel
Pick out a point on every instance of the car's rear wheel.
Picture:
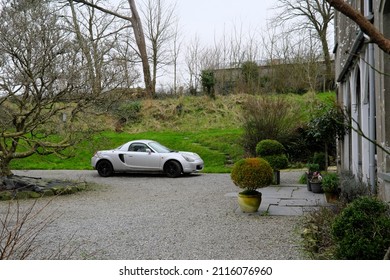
(104, 168)
(172, 169)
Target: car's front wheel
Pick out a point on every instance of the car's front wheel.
(172, 169)
(104, 168)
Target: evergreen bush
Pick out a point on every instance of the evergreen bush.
(252, 173)
(362, 230)
(273, 152)
(320, 159)
(269, 147)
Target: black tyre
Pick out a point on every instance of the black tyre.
(172, 169)
(104, 168)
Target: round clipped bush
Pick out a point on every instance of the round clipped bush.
(277, 162)
(252, 173)
(362, 230)
(273, 152)
(269, 147)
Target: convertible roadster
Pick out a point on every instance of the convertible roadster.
(141, 156)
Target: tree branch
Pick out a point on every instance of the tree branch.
(102, 9)
(366, 26)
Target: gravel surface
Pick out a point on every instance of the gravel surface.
(154, 217)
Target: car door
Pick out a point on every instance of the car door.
(141, 157)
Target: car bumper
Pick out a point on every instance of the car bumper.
(94, 161)
(191, 167)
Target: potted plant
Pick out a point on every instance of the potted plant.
(330, 186)
(316, 182)
(251, 174)
(311, 168)
(275, 153)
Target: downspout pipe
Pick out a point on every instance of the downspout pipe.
(372, 121)
(372, 105)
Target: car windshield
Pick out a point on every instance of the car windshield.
(159, 148)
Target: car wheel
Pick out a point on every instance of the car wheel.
(172, 169)
(104, 168)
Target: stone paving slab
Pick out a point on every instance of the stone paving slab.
(287, 201)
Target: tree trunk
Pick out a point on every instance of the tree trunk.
(328, 61)
(140, 40)
(326, 157)
(4, 167)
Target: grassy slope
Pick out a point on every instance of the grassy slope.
(210, 128)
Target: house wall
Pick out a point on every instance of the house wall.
(352, 75)
(382, 84)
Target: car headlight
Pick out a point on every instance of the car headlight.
(188, 158)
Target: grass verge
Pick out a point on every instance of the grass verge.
(217, 148)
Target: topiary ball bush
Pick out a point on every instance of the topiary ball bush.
(362, 230)
(252, 173)
(277, 162)
(269, 147)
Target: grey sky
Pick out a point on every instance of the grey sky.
(209, 18)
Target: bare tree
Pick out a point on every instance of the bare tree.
(160, 22)
(315, 15)
(139, 37)
(41, 82)
(367, 27)
(192, 59)
(175, 53)
(98, 36)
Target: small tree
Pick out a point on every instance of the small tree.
(43, 94)
(327, 125)
(208, 82)
(250, 75)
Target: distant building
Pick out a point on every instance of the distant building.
(365, 92)
(278, 75)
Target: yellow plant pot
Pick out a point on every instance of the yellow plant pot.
(249, 203)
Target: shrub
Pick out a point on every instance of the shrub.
(277, 162)
(362, 230)
(130, 111)
(313, 167)
(267, 117)
(269, 147)
(252, 173)
(273, 152)
(351, 188)
(330, 182)
(317, 236)
(208, 82)
(319, 158)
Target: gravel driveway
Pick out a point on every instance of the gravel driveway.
(154, 217)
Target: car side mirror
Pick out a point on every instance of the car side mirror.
(149, 151)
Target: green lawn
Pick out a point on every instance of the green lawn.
(208, 127)
(214, 146)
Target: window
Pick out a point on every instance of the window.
(138, 147)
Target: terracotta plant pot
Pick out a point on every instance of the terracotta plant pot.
(249, 203)
(331, 197)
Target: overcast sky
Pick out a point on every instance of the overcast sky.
(209, 18)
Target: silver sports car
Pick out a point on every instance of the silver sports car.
(146, 156)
